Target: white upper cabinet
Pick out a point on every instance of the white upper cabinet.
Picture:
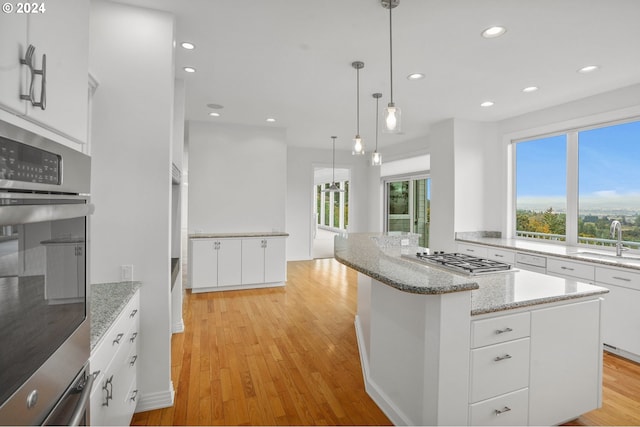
(61, 34)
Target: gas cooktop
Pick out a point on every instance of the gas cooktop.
(461, 263)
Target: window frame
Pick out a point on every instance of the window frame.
(571, 130)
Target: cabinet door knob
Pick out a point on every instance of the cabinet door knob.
(500, 358)
(118, 338)
(108, 387)
(133, 312)
(499, 412)
(133, 360)
(133, 336)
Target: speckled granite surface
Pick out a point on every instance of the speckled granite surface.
(107, 301)
(239, 234)
(550, 249)
(489, 293)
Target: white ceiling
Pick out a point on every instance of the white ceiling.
(291, 60)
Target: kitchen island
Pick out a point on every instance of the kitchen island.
(442, 348)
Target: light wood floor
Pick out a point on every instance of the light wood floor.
(288, 356)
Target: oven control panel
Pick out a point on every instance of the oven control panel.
(21, 162)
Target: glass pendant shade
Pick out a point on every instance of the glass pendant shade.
(358, 146)
(392, 119)
(376, 159)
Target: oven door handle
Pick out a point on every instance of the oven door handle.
(78, 413)
(25, 214)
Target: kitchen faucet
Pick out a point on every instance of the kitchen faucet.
(615, 225)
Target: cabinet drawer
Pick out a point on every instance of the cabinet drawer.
(478, 251)
(622, 278)
(499, 329)
(499, 369)
(501, 255)
(509, 409)
(571, 269)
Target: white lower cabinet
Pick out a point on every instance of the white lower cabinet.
(537, 367)
(621, 316)
(233, 263)
(114, 363)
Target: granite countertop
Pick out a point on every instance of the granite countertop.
(489, 293)
(107, 301)
(238, 234)
(551, 249)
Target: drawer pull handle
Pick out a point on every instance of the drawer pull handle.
(567, 268)
(95, 374)
(500, 358)
(502, 331)
(624, 279)
(134, 394)
(108, 387)
(133, 360)
(133, 336)
(133, 313)
(118, 338)
(502, 411)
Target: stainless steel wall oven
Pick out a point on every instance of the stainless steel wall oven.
(44, 325)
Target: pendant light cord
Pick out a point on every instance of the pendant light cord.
(377, 103)
(391, 49)
(333, 174)
(358, 101)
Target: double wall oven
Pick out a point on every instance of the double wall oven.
(44, 324)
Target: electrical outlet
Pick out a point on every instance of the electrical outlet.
(126, 273)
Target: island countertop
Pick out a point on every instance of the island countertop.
(489, 293)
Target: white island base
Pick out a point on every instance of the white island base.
(427, 361)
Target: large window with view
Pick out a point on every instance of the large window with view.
(572, 187)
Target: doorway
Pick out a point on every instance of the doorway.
(330, 209)
(408, 206)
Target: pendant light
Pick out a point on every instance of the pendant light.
(392, 113)
(333, 187)
(358, 146)
(376, 158)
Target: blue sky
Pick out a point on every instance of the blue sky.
(609, 169)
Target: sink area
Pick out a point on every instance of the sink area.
(625, 258)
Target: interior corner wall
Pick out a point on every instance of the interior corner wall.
(131, 181)
(237, 178)
(300, 195)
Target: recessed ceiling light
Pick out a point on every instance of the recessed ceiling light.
(188, 46)
(189, 69)
(415, 76)
(530, 89)
(492, 32)
(588, 69)
(487, 104)
(271, 120)
(214, 114)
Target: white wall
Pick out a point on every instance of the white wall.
(131, 55)
(442, 186)
(177, 194)
(237, 178)
(300, 196)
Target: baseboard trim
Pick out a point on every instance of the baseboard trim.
(383, 401)
(157, 400)
(178, 327)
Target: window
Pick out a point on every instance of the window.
(332, 207)
(408, 207)
(570, 187)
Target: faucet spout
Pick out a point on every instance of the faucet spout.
(617, 227)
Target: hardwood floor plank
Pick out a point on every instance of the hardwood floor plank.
(289, 356)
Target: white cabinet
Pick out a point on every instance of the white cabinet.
(61, 33)
(263, 260)
(114, 363)
(215, 262)
(621, 313)
(65, 272)
(234, 263)
(538, 367)
(478, 251)
(566, 362)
